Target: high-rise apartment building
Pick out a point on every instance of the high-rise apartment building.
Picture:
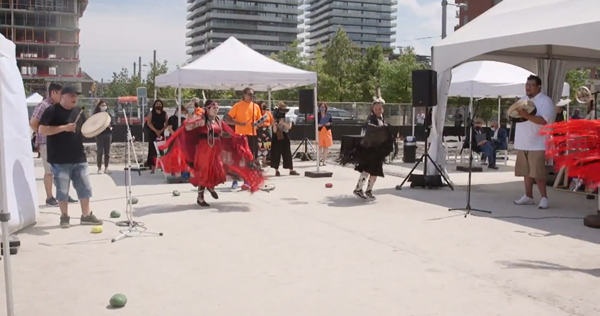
(474, 9)
(367, 22)
(267, 26)
(46, 34)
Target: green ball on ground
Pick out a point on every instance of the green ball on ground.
(118, 301)
(176, 193)
(134, 200)
(115, 214)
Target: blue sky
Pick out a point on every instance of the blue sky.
(114, 33)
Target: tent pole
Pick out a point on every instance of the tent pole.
(269, 109)
(317, 126)
(412, 111)
(499, 109)
(179, 103)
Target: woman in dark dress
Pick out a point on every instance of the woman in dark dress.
(157, 124)
(368, 158)
(104, 140)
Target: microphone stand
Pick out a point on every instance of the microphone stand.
(134, 229)
(468, 209)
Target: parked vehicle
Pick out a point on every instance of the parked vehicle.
(339, 116)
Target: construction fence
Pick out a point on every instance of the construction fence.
(396, 114)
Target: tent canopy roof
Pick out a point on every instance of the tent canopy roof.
(483, 79)
(35, 98)
(519, 32)
(235, 66)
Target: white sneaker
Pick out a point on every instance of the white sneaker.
(524, 200)
(99, 171)
(543, 204)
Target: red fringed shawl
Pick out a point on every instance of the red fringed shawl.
(576, 145)
(235, 156)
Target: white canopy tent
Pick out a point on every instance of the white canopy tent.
(34, 99)
(490, 79)
(547, 37)
(235, 66)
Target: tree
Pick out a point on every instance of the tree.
(370, 70)
(292, 56)
(121, 85)
(576, 78)
(396, 77)
(155, 71)
(341, 63)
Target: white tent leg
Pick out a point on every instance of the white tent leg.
(317, 127)
(412, 120)
(269, 107)
(499, 110)
(179, 103)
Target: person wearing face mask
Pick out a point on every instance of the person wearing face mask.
(325, 137)
(104, 140)
(157, 123)
(482, 143)
(210, 150)
(368, 158)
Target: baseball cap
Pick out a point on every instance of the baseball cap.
(69, 90)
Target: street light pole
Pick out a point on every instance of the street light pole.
(444, 17)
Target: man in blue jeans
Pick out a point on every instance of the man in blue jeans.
(66, 155)
(482, 143)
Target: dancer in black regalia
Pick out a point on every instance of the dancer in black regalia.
(377, 144)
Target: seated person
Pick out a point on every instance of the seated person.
(500, 137)
(482, 143)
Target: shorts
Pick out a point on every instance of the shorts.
(44, 154)
(77, 173)
(531, 164)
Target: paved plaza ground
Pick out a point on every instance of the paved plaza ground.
(306, 250)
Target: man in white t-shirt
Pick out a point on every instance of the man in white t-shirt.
(530, 145)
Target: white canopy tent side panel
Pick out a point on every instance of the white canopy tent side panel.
(235, 66)
(550, 43)
(19, 190)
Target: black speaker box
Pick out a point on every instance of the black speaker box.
(306, 101)
(424, 88)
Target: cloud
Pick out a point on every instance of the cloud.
(115, 34)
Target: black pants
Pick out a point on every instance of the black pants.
(280, 148)
(253, 144)
(152, 154)
(103, 142)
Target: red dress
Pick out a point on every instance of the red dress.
(575, 145)
(209, 154)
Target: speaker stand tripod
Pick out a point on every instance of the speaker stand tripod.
(305, 156)
(425, 180)
(468, 209)
(134, 228)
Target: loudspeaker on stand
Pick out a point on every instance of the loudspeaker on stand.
(306, 101)
(424, 88)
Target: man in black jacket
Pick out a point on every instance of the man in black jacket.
(481, 142)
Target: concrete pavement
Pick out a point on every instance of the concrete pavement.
(309, 251)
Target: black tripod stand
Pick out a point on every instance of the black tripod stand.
(425, 180)
(468, 209)
(305, 156)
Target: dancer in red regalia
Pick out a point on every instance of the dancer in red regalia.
(575, 145)
(210, 150)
